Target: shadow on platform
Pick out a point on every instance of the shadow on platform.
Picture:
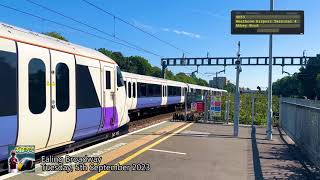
(277, 159)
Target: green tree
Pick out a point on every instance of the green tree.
(230, 87)
(182, 77)
(169, 75)
(307, 77)
(287, 86)
(303, 83)
(56, 35)
(140, 65)
(156, 72)
(117, 57)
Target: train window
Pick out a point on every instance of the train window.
(150, 88)
(86, 93)
(120, 82)
(62, 87)
(129, 89)
(170, 88)
(108, 80)
(142, 89)
(174, 91)
(125, 85)
(37, 86)
(8, 76)
(166, 90)
(154, 90)
(158, 90)
(134, 90)
(178, 91)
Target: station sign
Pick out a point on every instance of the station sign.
(267, 22)
(215, 106)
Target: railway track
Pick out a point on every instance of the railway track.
(142, 123)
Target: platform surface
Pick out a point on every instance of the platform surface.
(177, 150)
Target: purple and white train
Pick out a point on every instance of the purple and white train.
(54, 93)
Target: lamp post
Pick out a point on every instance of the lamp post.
(237, 96)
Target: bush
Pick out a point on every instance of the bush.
(261, 104)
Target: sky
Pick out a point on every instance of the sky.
(196, 26)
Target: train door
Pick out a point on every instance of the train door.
(108, 96)
(63, 117)
(121, 110)
(183, 94)
(129, 93)
(164, 95)
(34, 96)
(134, 94)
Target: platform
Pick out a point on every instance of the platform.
(178, 150)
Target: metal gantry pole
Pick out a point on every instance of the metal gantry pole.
(163, 71)
(269, 112)
(237, 96)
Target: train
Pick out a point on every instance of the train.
(54, 93)
(145, 92)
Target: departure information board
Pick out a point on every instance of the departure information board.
(267, 22)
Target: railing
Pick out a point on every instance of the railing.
(300, 119)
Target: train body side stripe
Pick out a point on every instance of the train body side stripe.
(144, 102)
(88, 122)
(173, 100)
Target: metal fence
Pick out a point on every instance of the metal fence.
(300, 119)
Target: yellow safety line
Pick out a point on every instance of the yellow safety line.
(99, 175)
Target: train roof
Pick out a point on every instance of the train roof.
(25, 36)
(161, 80)
(194, 86)
(154, 79)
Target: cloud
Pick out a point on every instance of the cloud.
(185, 33)
(166, 29)
(193, 35)
(143, 26)
(209, 13)
(153, 30)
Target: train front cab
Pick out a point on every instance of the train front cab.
(40, 89)
(48, 100)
